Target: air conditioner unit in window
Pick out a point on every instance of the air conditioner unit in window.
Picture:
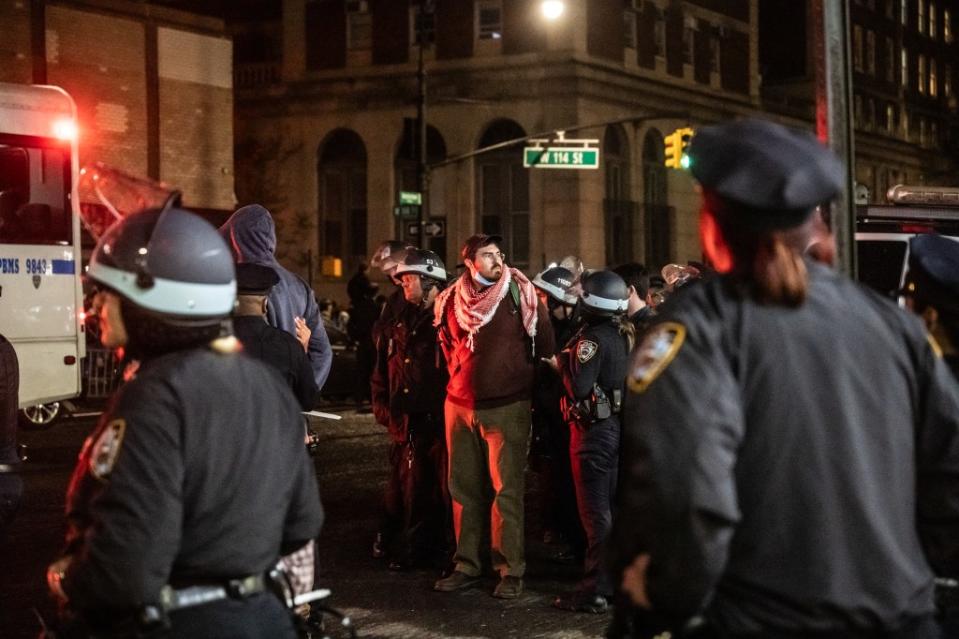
(357, 6)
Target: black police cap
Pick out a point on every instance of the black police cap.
(778, 174)
(255, 279)
(934, 270)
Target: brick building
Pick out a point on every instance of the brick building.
(153, 86)
(904, 62)
(325, 90)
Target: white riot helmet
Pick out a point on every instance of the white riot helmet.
(424, 262)
(556, 281)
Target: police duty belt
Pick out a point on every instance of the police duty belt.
(178, 598)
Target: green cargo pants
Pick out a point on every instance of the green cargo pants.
(488, 447)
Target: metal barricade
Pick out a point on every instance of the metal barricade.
(99, 373)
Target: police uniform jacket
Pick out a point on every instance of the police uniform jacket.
(595, 355)
(410, 375)
(196, 473)
(776, 460)
(280, 350)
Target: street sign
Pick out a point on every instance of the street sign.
(434, 228)
(411, 197)
(560, 157)
(406, 210)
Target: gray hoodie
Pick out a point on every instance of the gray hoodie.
(251, 234)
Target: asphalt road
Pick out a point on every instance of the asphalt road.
(351, 467)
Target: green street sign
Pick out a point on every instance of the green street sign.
(560, 157)
(411, 197)
(406, 210)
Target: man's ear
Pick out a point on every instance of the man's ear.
(470, 266)
(265, 305)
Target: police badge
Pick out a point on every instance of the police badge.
(585, 350)
(36, 281)
(103, 454)
(654, 354)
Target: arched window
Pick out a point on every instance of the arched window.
(341, 180)
(503, 192)
(619, 208)
(407, 154)
(656, 211)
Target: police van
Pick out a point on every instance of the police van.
(41, 300)
(883, 231)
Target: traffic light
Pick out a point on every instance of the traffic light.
(676, 144)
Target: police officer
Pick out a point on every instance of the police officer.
(267, 343)
(782, 423)
(387, 255)
(11, 484)
(932, 292)
(196, 478)
(408, 384)
(593, 369)
(550, 440)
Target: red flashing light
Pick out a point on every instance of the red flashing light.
(916, 228)
(65, 129)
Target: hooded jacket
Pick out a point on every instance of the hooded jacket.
(251, 234)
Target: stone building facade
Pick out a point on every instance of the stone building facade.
(326, 91)
(153, 86)
(904, 59)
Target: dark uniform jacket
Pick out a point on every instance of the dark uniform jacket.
(595, 355)
(776, 460)
(410, 376)
(280, 350)
(196, 473)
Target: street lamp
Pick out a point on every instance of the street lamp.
(553, 9)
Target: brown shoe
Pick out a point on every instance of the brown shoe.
(456, 581)
(509, 587)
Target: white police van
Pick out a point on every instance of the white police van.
(883, 231)
(41, 301)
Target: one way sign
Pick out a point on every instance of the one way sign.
(431, 228)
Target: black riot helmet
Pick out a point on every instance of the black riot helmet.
(603, 294)
(174, 274)
(424, 262)
(556, 282)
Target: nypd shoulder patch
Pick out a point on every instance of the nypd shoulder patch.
(658, 348)
(585, 350)
(106, 448)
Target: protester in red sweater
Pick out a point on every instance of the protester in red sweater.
(492, 329)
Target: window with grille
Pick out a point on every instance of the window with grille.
(933, 80)
(359, 26)
(489, 20)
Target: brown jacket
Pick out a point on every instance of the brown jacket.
(500, 368)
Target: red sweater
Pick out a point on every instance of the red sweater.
(500, 368)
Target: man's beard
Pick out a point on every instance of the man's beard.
(495, 275)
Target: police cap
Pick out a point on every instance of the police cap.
(934, 271)
(777, 174)
(255, 279)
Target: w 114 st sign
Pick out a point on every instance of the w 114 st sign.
(561, 154)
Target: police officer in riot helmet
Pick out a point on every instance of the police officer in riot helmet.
(408, 390)
(553, 288)
(196, 478)
(549, 447)
(784, 427)
(593, 370)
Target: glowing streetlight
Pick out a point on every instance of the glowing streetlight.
(553, 9)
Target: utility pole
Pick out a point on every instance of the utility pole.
(422, 168)
(834, 124)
